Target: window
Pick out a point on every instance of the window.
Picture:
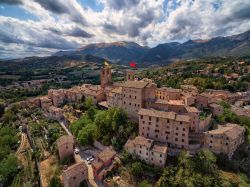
(129, 96)
(141, 117)
(183, 129)
(74, 178)
(160, 155)
(183, 134)
(168, 121)
(157, 119)
(160, 161)
(156, 136)
(147, 135)
(124, 102)
(181, 122)
(177, 128)
(140, 152)
(135, 97)
(152, 153)
(140, 146)
(176, 134)
(143, 122)
(143, 134)
(148, 128)
(149, 118)
(152, 159)
(149, 123)
(182, 140)
(176, 139)
(146, 153)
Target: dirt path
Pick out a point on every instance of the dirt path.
(23, 140)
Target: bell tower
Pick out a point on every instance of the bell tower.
(106, 77)
(130, 75)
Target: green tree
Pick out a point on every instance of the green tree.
(8, 168)
(136, 169)
(55, 182)
(1, 108)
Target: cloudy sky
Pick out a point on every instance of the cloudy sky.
(42, 27)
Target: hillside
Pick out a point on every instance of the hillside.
(123, 52)
(116, 52)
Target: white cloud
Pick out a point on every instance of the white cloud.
(63, 24)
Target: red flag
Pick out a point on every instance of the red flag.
(132, 64)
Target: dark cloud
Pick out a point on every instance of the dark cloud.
(11, 2)
(131, 27)
(48, 41)
(53, 6)
(58, 7)
(8, 38)
(75, 32)
(78, 32)
(120, 4)
(55, 42)
(243, 13)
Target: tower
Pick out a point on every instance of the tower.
(106, 78)
(130, 75)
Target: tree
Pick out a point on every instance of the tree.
(87, 135)
(8, 168)
(205, 162)
(55, 182)
(136, 169)
(1, 108)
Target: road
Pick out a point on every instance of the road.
(23, 139)
(82, 157)
(63, 125)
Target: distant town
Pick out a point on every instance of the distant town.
(168, 120)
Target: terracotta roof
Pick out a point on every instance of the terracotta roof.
(167, 89)
(160, 148)
(139, 140)
(55, 109)
(191, 109)
(184, 118)
(156, 113)
(129, 144)
(232, 131)
(117, 90)
(135, 84)
(106, 154)
(169, 102)
(65, 139)
(97, 164)
(74, 170)
(45, 99)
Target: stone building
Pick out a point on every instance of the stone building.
(75, 174)
(103, 163)
(55, 113)
(226, 139)
(131, 96)
(165, 127)
(46, 102)
(216, 109)
(165, 93)
(147, 150)
(58, 97)
(65, 145)
(106, 76)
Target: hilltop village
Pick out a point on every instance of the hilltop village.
(170, 120)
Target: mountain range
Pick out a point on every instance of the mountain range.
(123, 52)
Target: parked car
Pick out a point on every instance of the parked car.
(77, 151)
